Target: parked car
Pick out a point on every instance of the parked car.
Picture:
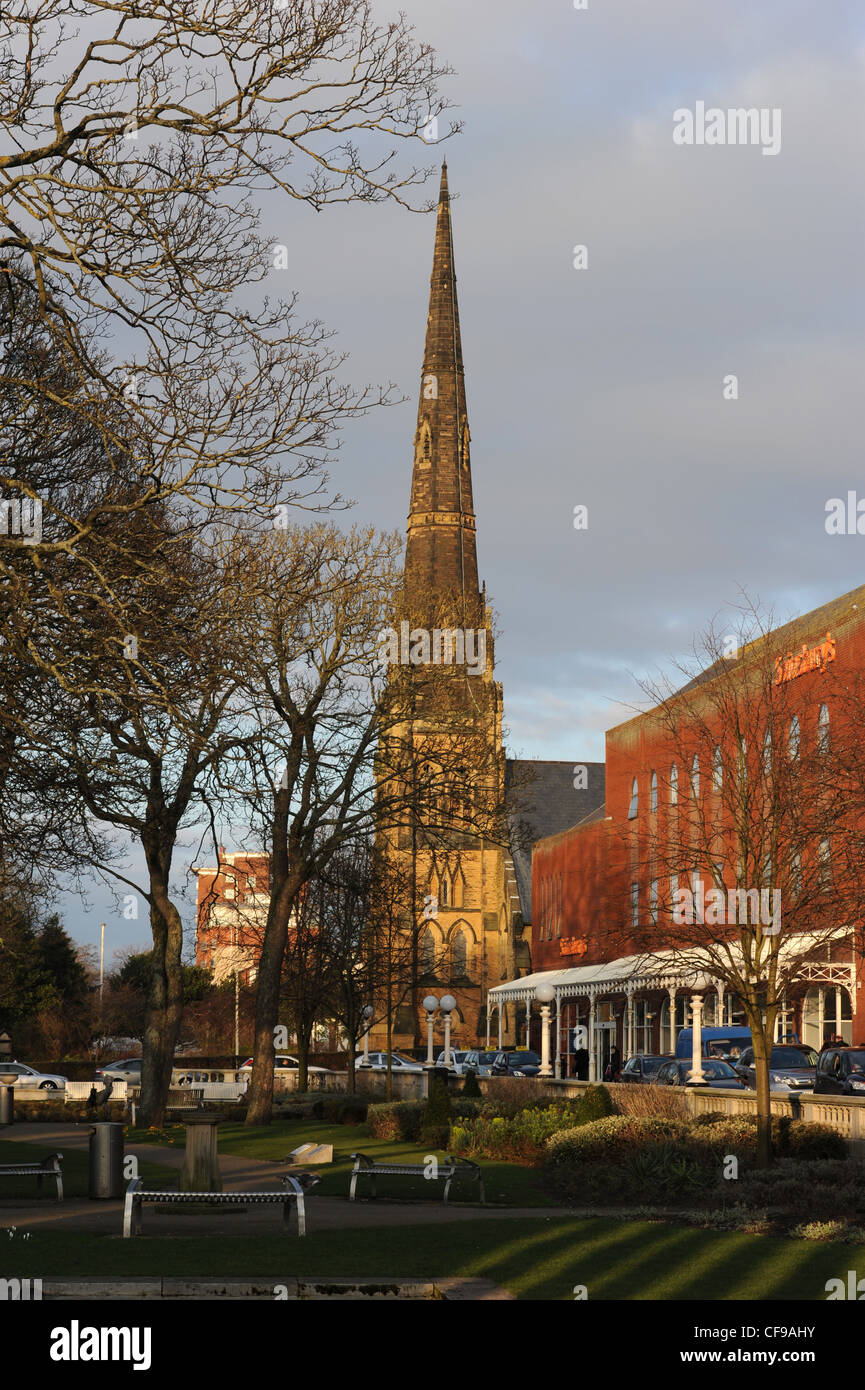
(128, 1070)
(28, 1076)
(792, 1067)
(479, 1062)
(198, 1078)
(458, 1061)
(716, 1073)
(840, 1072)
(728, 1043)
(284, 1062)
(523, 1063)
(378, 1062)
(641, 1071)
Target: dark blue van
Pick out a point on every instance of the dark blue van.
(717, 1042)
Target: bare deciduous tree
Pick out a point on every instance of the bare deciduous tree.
(749, 856)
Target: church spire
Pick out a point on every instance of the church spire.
(441, 556)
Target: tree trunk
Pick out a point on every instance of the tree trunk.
(760, 1037)
(164, 1005)
(303, 1060)
(267, 1004)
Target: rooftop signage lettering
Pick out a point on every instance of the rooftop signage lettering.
(788, 667)
(573, 946)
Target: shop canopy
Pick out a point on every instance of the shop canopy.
(691, 969)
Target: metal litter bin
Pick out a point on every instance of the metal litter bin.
(7, 1103)
(106, 1161)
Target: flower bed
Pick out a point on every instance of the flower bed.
(521, 1137)
(635, 1159)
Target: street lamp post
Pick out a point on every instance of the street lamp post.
(446, 1004)
(545, 994)
(101, 968)
(430, 1004)
(366, 1013)
(236, 992)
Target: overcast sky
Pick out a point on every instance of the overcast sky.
(604, 386)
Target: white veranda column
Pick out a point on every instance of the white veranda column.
(672, 993)
(558, 1058)
(592, 1067)
(501, 1012)
(629, 1044)
(696, 1073)
(821, 1014)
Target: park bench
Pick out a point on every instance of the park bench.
(290, 1196)
(446, 1169)
(49, 1167)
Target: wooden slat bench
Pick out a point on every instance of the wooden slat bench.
(48, 1168)
(290, 1196)
(447, 1169)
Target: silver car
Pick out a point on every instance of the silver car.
(27, 1076)
(458, 1061)
(378, 1062)
(127, 1070)
(480, 1062)
(792, 1067)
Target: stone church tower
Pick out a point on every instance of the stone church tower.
(464, 876)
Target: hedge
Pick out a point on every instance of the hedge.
(522, 1137)
(610, 1139)
(629, 1157)
(396, 1119)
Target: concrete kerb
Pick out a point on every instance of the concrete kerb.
(273, 1289)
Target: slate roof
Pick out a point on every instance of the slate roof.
(543, 800)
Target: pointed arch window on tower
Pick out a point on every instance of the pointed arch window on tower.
(460, 955)
(427, 951)
(458, 887)
(444, 891)
(424, 452)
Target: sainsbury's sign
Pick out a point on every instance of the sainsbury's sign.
(788, 667)
(573, 946)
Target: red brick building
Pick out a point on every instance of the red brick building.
(232, 908)
(773, 728)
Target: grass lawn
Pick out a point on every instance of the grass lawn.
(505, 1183)
(74, 1165)
(541, 1258)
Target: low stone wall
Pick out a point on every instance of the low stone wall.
(844, 1114)
(284, 1081)
(406, 1085)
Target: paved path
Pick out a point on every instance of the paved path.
(250, 1174)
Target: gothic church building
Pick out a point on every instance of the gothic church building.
(475, 928)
